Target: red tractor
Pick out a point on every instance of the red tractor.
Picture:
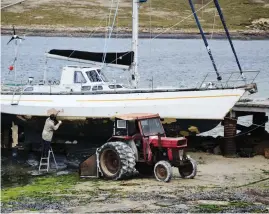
(139, 144)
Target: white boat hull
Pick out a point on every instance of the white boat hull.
(207, 104)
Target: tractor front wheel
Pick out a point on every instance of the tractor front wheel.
(116, 160)
(163, 171)
(189, 169)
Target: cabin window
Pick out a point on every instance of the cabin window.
(121, 124)
(29, 89)
(115, 86)
(79, 78)
(95, 88)
(102, 75)
(86, 88)
(93, 76)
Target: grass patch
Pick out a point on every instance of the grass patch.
(47, 187)
(266, 172)
(211, 208)
(240, 204)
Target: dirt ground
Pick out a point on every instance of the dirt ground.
(231, 175)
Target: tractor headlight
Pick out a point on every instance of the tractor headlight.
(181, 142)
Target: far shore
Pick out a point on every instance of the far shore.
(126, 33)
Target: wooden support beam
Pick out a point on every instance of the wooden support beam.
(229, 134)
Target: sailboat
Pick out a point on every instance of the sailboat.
(86, 101)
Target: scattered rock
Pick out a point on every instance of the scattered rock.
(165, 203)
(98, 199)
(63, 173)
(217, 150)
(212, 202)
(260, 148)
(181, 207)
(32, 162)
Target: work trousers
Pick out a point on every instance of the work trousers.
(46, 147)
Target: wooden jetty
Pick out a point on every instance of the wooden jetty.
(257, 108)
(255, 105)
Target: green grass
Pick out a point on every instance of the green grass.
(213, 208)
(266, 172)
(238, 14)
(44, 187)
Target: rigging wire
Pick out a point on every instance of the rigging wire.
(170, 27)
(98, 26)
(108, 26)
(205, 40)
(111, 30)
(182, 20)
(229, 38)
(213, 26)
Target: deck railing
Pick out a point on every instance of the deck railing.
(229, 79)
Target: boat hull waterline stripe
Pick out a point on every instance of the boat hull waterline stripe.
(164, 98)
(136, 99)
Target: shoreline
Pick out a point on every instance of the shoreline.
(126, 33)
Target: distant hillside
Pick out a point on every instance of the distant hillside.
(241, 15)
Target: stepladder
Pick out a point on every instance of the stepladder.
(45, 163)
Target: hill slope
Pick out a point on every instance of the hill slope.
(240, 15)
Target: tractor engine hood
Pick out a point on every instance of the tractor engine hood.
(168, 141)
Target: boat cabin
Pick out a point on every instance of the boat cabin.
(75, 79)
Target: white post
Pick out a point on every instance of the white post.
(134, 72)
(45, 72)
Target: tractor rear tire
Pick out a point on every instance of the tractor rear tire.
(163, 171)
(189, 170)
(116, 160)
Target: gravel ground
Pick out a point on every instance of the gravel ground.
(222, 185)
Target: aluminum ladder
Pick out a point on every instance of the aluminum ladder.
(45, 161)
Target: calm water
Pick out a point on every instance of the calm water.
(181, 63)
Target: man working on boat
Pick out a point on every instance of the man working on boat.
(47, 133)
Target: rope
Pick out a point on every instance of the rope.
(240, 134)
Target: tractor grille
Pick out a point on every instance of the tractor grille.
(175, 155)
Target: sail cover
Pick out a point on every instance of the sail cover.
(117, 59)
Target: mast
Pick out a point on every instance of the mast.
(134, 71)
(228, 35)
(205, 41)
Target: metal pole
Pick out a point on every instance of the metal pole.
(134, 72)
(15, 62)
(205, 41)
(228, 35)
